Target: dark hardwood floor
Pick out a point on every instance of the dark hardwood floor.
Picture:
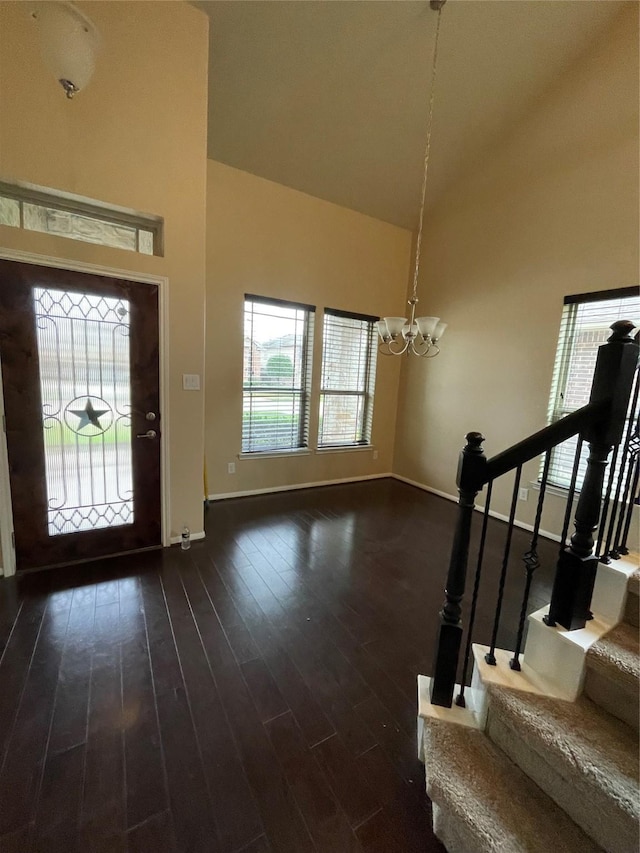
(255, 693)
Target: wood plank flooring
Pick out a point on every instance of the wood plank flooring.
(255, 693)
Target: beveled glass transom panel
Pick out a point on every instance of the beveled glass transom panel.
(83, 351)
(76, 218)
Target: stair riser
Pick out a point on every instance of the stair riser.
(618, 699)
(454, 833)
(632, 609)
(586, 804)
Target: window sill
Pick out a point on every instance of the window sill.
(274, 454)
(558, 491)
(355, 448)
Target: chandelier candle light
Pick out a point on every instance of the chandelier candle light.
(421, 335)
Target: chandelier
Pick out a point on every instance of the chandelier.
(419, 335)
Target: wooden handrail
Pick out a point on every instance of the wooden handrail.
(543, 440)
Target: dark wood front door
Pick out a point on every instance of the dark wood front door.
(80, 368)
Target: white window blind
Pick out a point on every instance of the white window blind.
(584, 327)
(348, 379)
(278, 346)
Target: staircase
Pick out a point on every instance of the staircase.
(539, 751)
(546, 773)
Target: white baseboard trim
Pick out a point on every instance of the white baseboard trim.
(522, 524)
(175, 540)
(425, 488)
(294, 486)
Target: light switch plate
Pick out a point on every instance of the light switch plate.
(191, 381)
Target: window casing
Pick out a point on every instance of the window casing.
(348, 379)
(586, 319)
(278, 347)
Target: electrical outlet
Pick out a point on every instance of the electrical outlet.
(231, 468)
(375, 454)
(523, 494)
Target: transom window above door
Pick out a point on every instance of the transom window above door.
(65, 215)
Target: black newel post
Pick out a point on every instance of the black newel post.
(470, 479)
(577, 564)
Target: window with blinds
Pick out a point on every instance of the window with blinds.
(278, 346)
(348, 379)
(586, 319)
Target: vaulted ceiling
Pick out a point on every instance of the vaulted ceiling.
(330, 96)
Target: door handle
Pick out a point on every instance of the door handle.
(150, 433)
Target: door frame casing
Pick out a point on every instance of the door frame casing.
(7, 550)
(162, 283)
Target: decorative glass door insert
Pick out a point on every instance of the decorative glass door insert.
(85, 383)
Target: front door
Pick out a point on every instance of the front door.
(80, 370)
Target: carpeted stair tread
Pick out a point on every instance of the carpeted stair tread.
(584, 758)
(616, 656)
(633, 584)
(486, 803)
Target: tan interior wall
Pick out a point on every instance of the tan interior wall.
(551, 210)
(266, 239)
(136, 137)
(554, 210)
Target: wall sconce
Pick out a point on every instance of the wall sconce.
(70, 43)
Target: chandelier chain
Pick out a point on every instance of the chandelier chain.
(427, 152)
(418, 336)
